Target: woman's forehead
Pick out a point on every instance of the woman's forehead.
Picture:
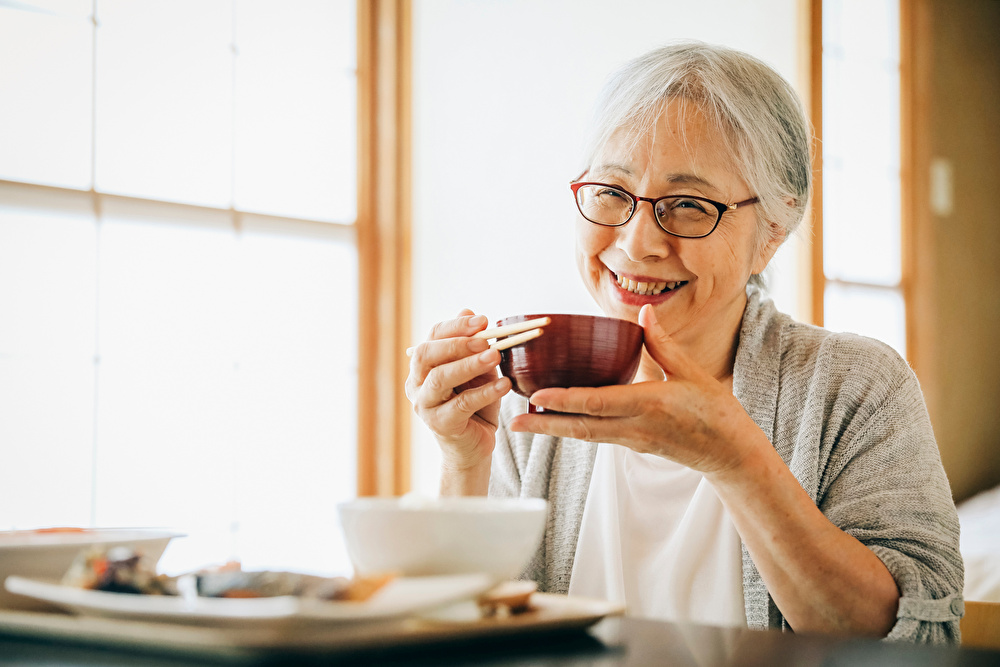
(681, 144)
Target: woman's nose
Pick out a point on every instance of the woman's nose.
(641, 237)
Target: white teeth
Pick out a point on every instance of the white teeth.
(646, 288)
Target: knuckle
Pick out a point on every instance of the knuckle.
(464, 403)
(434, 383)
(472, 364)
(442, 330)
(436, 331)
(580, 429)
(419, 355)
(594, 404)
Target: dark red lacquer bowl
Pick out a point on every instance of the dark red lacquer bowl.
(573, 351)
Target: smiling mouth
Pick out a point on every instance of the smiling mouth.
(648, 288)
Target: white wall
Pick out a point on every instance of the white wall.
(502, 90)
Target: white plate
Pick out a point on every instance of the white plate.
(399, 597)
(47, 554)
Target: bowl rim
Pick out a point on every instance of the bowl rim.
(75, 537)
(532, 316)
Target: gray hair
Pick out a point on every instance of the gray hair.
(757, 113)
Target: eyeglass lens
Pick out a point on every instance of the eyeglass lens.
(678, 215)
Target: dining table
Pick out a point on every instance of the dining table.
(613, 641)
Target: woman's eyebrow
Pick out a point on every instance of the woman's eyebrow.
(609, 167)
(688, 179)
(677, 178)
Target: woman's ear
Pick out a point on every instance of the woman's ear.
(774, 236)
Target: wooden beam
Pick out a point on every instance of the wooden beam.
(383, 245)
(916, 68)
(818, 276)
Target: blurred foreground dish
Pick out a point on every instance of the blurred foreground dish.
(124, 570)
(47, 553)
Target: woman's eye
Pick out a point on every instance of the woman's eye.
(693, 204)
(609, 193)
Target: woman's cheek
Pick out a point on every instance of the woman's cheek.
(588, 249)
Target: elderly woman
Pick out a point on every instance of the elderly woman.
(758, 472)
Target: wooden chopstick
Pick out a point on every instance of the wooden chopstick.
(519, 332)
(516, 328)
(517, 339)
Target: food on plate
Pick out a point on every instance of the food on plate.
(59, 529)
(117, 570)
(507, 599)
(122, 570)
(231, 581)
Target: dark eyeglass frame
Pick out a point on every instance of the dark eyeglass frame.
(635, 199)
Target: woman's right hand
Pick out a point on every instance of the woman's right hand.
(455, 389)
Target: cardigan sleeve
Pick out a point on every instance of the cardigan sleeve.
(884, 484)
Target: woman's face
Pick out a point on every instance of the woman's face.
(706, 278)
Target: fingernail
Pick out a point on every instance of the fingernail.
(478, 345)
(500, 385)
(477, 321)
(488, 356)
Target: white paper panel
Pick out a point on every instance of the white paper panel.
(296, 109)
(298, 367)
(46, 97)
(227, 386)
(47, 329)
(164, 100)
(166, 381)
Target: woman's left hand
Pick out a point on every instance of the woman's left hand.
(690, 417)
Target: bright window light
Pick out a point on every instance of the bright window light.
(169, 356)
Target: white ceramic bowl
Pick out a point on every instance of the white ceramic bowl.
(434, 536)
(48, 554)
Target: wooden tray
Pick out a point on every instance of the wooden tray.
(549, 613)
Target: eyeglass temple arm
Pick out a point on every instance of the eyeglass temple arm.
(745, 202)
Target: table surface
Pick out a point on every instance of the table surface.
(613, 641)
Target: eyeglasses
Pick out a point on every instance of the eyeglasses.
(685, 216)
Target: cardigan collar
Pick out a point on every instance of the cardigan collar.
(758, 354)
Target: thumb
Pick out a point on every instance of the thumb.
(662, 348)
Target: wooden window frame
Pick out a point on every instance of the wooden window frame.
(912, 28)
(383, 229)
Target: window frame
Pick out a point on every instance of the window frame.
(384, 255)
(910, 121)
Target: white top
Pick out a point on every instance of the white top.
(656, 538)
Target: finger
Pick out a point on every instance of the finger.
(441, 382)
(454, 414)
(616, 401)
(433, 353)
(579, 427)
(466, 324)
(664, 350)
